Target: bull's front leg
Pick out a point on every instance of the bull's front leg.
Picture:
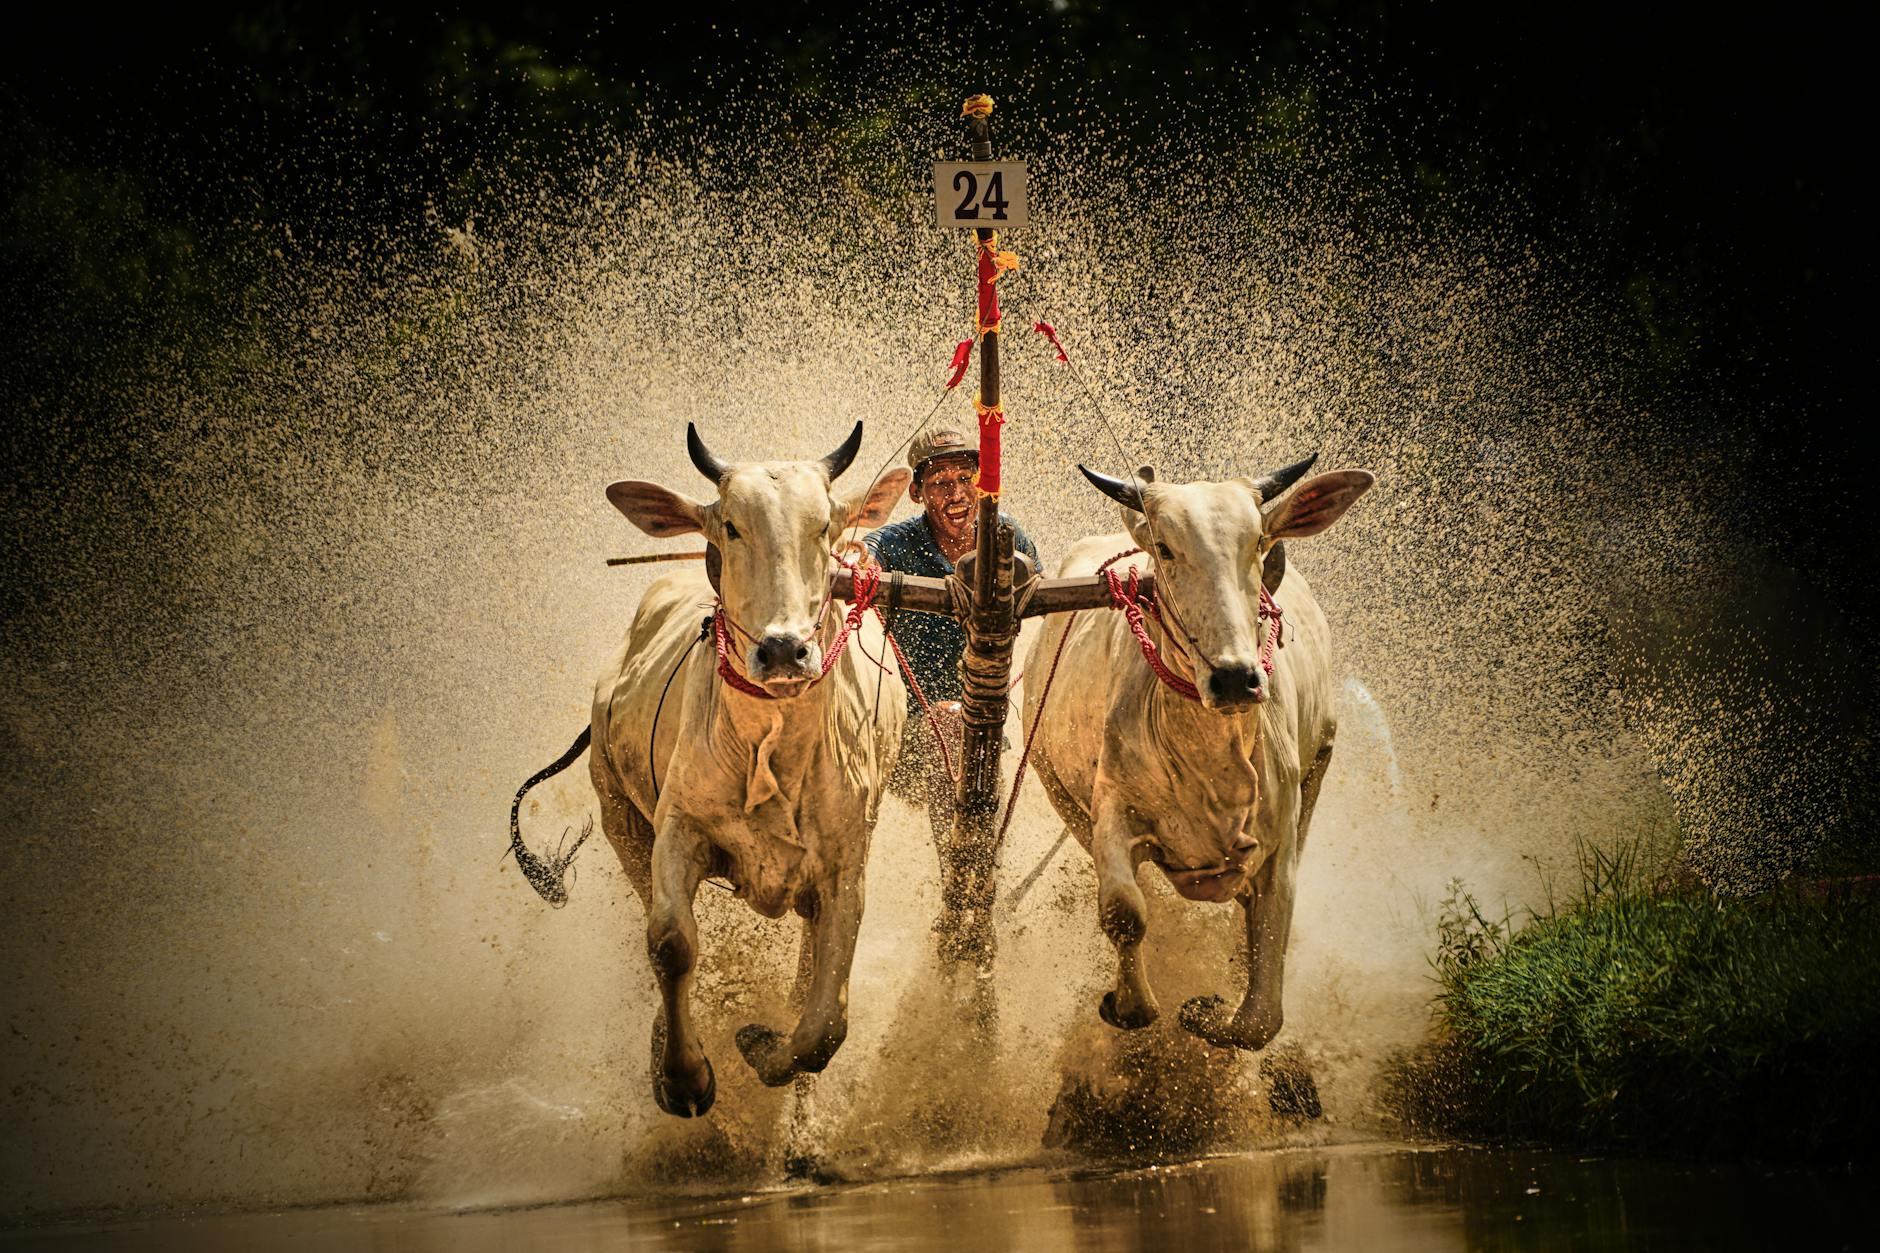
(1268, 909)
(683, 1083)
(833, 927)
(1123, 913)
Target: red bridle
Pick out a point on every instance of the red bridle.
(1124, 596)
(867, 580)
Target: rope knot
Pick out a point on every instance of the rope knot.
(1275, 638)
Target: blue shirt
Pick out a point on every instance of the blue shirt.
(932, 642)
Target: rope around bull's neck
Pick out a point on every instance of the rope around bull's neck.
(866, 580)
(1124, 596)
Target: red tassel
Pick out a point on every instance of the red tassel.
(1050, 332)
(961, 356)
(988, 291)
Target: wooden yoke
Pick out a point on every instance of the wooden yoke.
(924, 595)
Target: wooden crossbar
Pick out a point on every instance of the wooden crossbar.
(929, 595)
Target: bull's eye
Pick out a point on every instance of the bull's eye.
(1162, 551)
(731, 532)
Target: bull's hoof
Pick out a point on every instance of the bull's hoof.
(1135, 1020)
(1209, 1018)
(669, 1097)
(768, 1052)
(1291, 1092)
(809, 1168)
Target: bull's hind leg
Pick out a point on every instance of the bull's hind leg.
(1123, 913)
(683, 1083)
(1309, 793)
(626, 828)
(632, 838)
(834, 925)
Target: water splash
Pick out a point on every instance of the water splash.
(1364, 717)
(369, 598)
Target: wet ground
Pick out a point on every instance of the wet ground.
(1363, 1197)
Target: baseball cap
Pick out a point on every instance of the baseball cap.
(942, 441)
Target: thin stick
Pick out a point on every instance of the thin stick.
(640, 561)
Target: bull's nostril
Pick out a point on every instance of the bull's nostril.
(777, 651)
(1231, 684)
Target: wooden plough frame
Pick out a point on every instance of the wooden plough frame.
(990, 592)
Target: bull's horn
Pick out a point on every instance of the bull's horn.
(1274, 482)
(838, 461)
(1126, 494)
(708, 465)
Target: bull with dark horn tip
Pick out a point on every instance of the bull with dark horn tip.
(838, 461)
(1273, 482)
(708, 465)
(1265, 488)
(1128, 495)
(545, 874)
(715, 470)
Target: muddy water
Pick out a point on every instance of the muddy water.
(1368, 1197)
(341, 587)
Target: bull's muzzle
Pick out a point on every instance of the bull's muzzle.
(1233, 687)
(785, 659)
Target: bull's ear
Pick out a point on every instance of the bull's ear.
(659, 511)
(871, 506)
(1320, 501)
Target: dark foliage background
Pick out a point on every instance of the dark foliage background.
(1701, 170)
(1697, 175)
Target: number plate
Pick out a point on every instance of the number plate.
(973, 193)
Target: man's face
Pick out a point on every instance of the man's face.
(945, 491)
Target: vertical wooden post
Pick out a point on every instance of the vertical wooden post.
(991, 624)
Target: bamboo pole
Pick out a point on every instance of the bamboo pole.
(991, 622)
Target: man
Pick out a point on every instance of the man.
(929, 543)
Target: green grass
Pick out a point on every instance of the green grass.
(1656, 1019)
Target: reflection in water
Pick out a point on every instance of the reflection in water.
(1368, 1197)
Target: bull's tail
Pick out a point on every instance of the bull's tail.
(544, 874)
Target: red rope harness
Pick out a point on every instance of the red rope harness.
(867, 580)
(1275, 638)
(727, 671)
(1124, 596)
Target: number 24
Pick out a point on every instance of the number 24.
(994, 198)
